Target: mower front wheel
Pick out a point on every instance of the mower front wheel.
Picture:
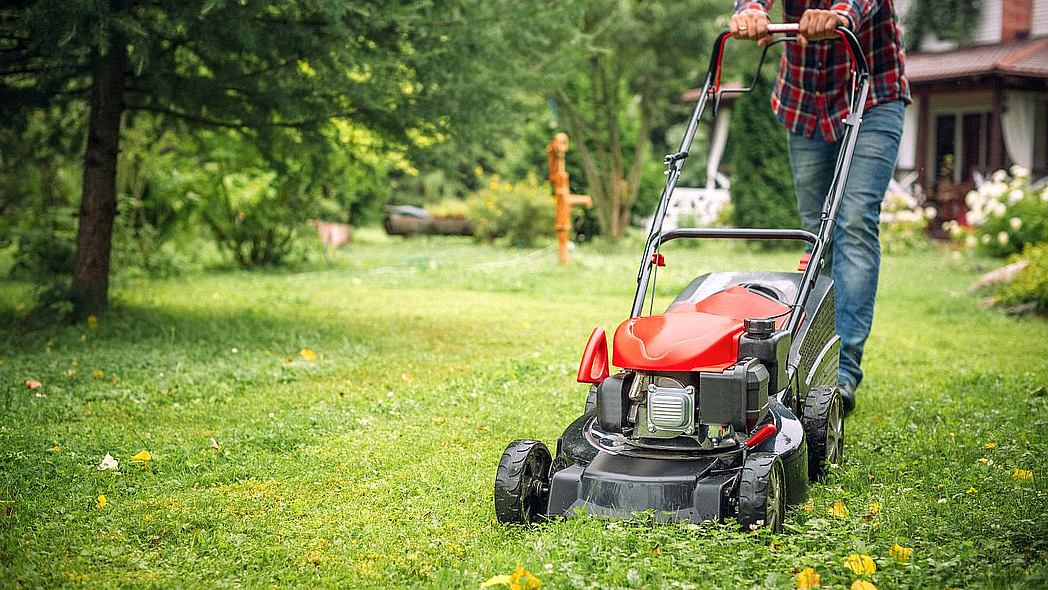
(823, 421)
(522, 482)
(762, 493)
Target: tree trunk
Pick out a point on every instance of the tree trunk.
(94, 238)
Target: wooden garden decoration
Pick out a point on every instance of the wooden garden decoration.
(558, 176)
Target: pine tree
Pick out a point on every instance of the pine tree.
(410, 71)
(761, 182)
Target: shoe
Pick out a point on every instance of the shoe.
(847, 397)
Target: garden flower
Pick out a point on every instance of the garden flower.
(900, 554)
(839, 510)
(809, 505)
(860, 564)
(862, 585)
(999, 176)
(970, 241)
(985, 239)
(1002, 238)
(1022, 474)
(807, 578)
(1015, 196)
(1015, 223)
(1018, 171)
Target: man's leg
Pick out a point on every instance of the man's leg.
(856, 245)
(811, 161)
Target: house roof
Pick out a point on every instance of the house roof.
(1026, 58)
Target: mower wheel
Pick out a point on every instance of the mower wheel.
(522, 482)
(762, 492)
(823, 421)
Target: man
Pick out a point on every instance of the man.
(811, 99)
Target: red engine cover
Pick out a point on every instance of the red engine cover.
(703, 336)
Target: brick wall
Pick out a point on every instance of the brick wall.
(1015, 19)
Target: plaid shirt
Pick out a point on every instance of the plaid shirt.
(813, 86)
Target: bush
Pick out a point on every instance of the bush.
(761, 181)
(523, 213)
(1005, 215)
(1031, 284)
(903, 222)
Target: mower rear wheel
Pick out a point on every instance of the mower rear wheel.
(762, 493)
(823, 421)
(522, 482)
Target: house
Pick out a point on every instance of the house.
(978, 107)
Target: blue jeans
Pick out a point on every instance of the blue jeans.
(855, 258)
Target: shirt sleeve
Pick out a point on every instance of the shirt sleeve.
(752, 6)
(856, 11)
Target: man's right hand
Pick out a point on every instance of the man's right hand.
(751, 26)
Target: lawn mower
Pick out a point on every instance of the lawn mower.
(726, 405)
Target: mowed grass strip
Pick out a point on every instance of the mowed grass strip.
(372, 464)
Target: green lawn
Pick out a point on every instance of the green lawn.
(372, 465)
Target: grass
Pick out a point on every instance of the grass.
(372, 465)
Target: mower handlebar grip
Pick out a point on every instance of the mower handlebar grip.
(846, 35)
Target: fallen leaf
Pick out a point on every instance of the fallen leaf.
(899, 553)
(860, 564)
(142, 457)
(809, 505)
(33, 384)
(407, 377)
(807, 578)
(98, 373)
(56, 448)
(108, 462)
(214, 444)
(502, 579)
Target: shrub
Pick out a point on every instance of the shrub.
(1031, 284)
(523, 213)
(1005, 214)
(761, 181)
(903, 222)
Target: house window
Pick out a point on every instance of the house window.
(960, 145)
(1040, 145)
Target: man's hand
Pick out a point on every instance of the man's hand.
(751, 26)
(819, 24)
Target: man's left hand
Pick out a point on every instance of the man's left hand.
(819, 24)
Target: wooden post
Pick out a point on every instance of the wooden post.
(558, 176)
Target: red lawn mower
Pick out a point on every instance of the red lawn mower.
(726, 404)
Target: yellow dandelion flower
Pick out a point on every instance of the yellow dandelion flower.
(478, 170)
(899, 553)
(875, 508)
(92, 321)
(862, 585)
(991, 445)
(499, 580)
(100, 502)
(522, 579)
(807, 578)
(308, 354)
(1022, 474)
(839, 510)
(860, 564)
(970, 491)
(984, 460)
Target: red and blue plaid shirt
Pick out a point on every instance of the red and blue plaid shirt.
(814, 84)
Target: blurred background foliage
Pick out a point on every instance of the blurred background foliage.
(240, 121)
